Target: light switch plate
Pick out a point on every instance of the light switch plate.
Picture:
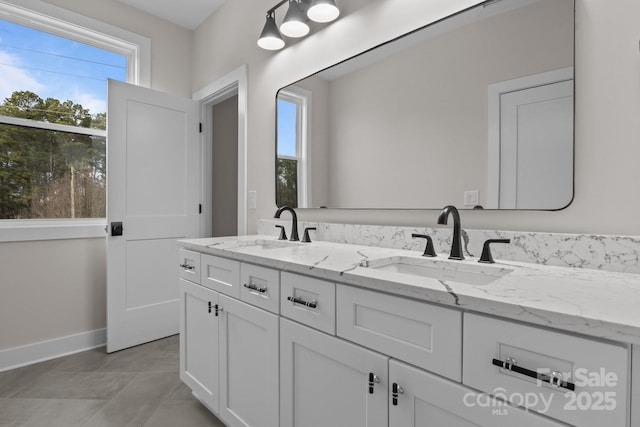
(252, 199)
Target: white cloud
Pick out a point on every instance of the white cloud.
(13, 78)
(90, 102)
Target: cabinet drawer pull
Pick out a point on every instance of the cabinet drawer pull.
(395, 391)
(253, 287)
(373, 380)
(187, 266)
(297, 300)
(555, 379)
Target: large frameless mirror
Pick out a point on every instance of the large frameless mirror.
(475, 110)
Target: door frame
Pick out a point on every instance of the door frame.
(493, 112)
(234, 83)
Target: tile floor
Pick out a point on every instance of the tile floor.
(138, 386)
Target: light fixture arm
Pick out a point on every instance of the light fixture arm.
(273, 9)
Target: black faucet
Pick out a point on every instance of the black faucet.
(456, 247)
(294, 223)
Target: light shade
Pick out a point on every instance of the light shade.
(323, 11)
(270, 37)
(294, 23)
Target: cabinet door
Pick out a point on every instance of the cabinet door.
(199, 342)
(324, 381)
(248, 365)
(425, 335)
(424, 399)
(595, 374)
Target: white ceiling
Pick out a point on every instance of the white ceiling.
(186, 13)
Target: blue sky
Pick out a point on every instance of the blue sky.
(56, 67)
(286, 128)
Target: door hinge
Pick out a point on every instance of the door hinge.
(200, 208)
(200, 127)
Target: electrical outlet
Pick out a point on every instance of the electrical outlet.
(471, 198)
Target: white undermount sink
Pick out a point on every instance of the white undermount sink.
(455, 271)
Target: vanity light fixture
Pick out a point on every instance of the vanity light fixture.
(270, 38)
(295, 20)
(323, 11)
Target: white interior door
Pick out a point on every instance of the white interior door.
(153, 188)
(536, 147)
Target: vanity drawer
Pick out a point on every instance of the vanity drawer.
(189, 265)
(260, 286)
(309, 301)
(597, 371)
(221, 274)
(419, 333)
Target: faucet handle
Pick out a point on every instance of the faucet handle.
(486, 250)
(283, 234)
(429, 250)
(305, 236)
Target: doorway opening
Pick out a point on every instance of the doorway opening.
(224, 168)
(224, 159)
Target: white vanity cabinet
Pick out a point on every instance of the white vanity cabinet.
(199, 342)
(424, 399)
(424, 335)
(325, 381)
(292, 350)
(248, 354)
(228, 348)
(429, 337)
(577, 380)
(309, 301)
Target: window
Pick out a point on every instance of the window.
(53, 118)
(292, 188)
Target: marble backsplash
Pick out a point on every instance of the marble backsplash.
(600, 252)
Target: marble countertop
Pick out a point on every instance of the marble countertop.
(596, 303)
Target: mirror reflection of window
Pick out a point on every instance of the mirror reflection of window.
(292, 124)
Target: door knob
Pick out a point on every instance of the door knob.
(116, 228)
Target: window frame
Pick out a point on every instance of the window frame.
(302, 99)
(61, 22)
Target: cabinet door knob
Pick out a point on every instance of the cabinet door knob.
(373, 380)
(395, 391)
(217, 309)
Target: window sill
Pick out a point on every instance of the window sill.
(53, 229)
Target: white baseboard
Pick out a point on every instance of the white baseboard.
(39, 352)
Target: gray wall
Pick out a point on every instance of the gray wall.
(224, 187)
(607, 104)
(411, 130)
